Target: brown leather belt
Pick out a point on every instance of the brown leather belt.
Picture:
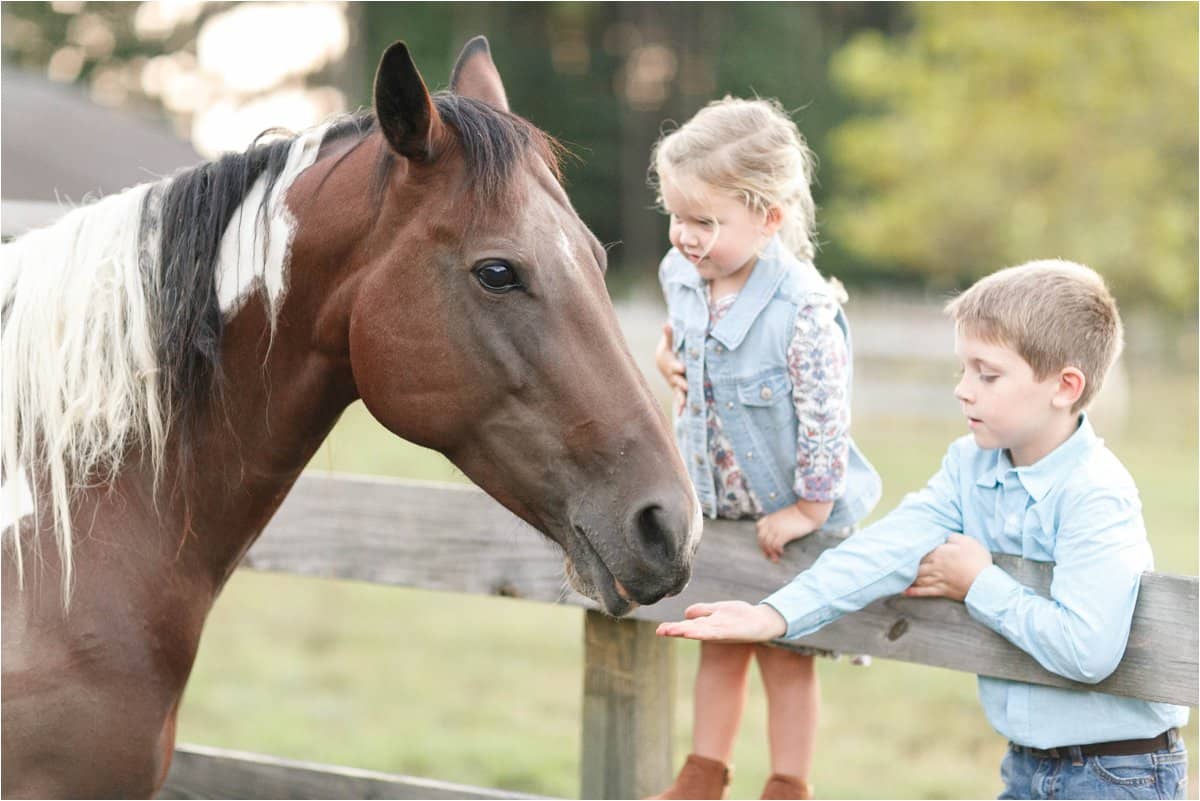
(1114, 748)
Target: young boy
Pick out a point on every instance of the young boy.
(1032, 479)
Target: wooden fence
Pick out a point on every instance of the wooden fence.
(379, 530)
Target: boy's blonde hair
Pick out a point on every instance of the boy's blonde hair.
(1054, 313)
(753, 150)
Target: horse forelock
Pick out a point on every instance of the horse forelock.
(493, 144)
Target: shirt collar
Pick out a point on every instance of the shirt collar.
(1041, 476)
(765, 278)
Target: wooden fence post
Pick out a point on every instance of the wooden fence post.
(628, 688)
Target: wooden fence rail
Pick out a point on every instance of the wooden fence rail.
(201, 772)
(378, 530)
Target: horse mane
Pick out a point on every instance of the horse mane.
(111, 319)
(493, 142)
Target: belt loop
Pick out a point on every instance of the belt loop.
(1076, 754)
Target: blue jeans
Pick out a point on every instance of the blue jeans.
(1162, 774)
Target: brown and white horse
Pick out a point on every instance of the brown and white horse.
(174, 355)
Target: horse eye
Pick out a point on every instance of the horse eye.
(497, 276)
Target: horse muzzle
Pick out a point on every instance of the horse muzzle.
(645, 559)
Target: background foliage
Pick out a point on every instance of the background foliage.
(1019, 131)
(954, 138)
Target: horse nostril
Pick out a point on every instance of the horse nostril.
(654, 533)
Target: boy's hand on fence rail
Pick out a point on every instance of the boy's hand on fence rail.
(949, 570)
(727, 621)
(673, 370)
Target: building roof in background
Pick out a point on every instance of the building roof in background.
(56, 143)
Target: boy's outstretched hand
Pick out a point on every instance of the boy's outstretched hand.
(727, 621)
(949, 570)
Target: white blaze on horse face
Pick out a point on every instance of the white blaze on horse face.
(696, 528)
(564, 248)
(256, 245)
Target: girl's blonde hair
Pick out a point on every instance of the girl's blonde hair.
(753, 150)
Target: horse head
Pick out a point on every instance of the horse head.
(481, 327)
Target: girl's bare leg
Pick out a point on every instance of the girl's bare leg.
(793, 707)
(720, 696)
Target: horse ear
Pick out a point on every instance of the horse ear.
(475, 75)
(403, 106)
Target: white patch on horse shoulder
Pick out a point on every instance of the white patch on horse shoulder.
(16, 501)
(256, 245)
(79, 384)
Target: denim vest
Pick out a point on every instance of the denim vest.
(745, 357)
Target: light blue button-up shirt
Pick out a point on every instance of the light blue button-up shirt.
(1077, 507)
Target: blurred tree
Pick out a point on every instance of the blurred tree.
(203, 66)
(999, 133)
(605, 78)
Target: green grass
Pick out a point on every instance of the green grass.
(488, 691)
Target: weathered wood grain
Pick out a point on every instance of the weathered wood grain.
(445, 537)
(202, 772)
(628, 683)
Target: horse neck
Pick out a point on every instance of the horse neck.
(285, 381)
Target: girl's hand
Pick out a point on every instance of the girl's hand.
(727, 621)
(671, 368)
(949, 570)
(789, 523)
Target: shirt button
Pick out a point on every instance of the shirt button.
(729, 404)
(699, 459)
(771, 495)
(695, 408)
(749, 454)
(695, 354)
(765, 393)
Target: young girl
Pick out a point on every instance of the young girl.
(758, 353)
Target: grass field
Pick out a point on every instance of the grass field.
(488, 691)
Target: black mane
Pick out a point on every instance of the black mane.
(191, 213)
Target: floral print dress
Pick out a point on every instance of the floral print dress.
(818, 368)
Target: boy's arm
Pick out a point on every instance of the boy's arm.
(880, 560)
(1080, 631)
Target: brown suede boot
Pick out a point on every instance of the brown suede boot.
(699, 778)
(781, 786)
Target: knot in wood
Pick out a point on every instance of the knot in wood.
(506, 589)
